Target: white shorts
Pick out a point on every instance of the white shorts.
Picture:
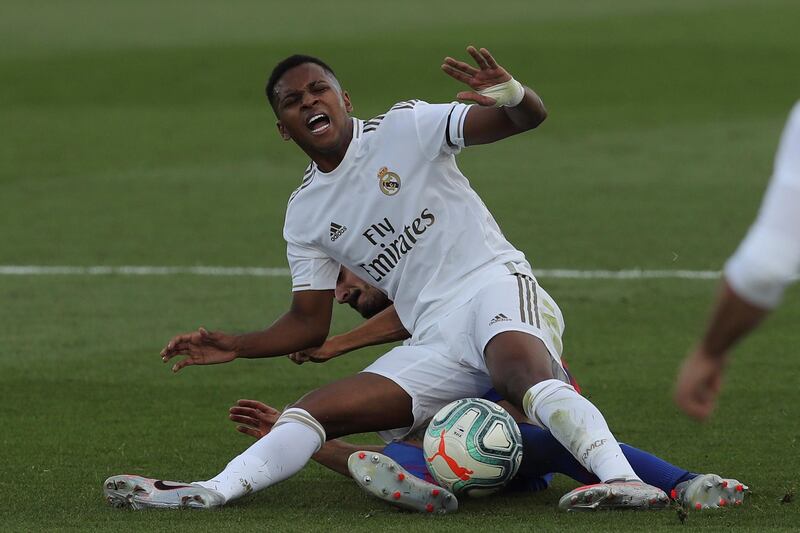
(445, 362)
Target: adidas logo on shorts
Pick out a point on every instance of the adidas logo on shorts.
(499, 318)
(337, 230)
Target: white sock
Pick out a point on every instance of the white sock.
(579, 427)
(278, 455)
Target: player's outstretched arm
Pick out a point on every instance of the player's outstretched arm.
(506, 107)
(382, 328)
(700, 377)
(257, 419)
(306, 324)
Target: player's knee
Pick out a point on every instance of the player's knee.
(544, 393)
(513, 386)
(513, 373)
(303, 417)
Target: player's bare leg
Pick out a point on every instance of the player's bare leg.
(524, 372)
(357, 404)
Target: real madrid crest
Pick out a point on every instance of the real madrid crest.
(389, 182)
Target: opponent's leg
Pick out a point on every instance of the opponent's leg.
(542, 453)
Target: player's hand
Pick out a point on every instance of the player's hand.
(254, 418)
(488, 74)
(321, 354)
(201, 347)
(699, 383)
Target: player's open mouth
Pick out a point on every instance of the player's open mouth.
(318, 123)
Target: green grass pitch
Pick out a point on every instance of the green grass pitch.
(136, 133)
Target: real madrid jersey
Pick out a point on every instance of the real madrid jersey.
(399, 213)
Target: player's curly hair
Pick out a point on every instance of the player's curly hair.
(287, 64)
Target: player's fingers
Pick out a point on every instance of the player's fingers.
(173, 341)
(268, 410)
(691, 398)
(206, 335)
(697, 410)
(267, 419)
(299, 357)
(479, 59)
(477, 98)
(243, 411)
(182, 364)
(466, 68)
(256, 405)
(245, 420)
(488, 57)
(256, 434)
(181, 349)
(456, 74)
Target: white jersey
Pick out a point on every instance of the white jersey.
(768, 259)
(399, 213)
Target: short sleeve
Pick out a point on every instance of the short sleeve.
(440, 127)
(311, 269)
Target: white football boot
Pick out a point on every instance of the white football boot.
(138, 492)
(615, 495)
(384, 478)
(709, 491)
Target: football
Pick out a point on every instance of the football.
(473, 447)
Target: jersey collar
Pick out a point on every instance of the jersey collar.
(352, 153)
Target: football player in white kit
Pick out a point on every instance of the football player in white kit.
(755, 278)
(384, 198)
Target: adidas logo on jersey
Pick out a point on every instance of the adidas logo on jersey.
(499, 318)
(337, 230)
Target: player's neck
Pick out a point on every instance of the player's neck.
(329, 160)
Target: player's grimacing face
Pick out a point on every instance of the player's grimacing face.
(312, 109)
(359, 295)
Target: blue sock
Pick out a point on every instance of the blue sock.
(654, 470)
(543, 453)
(410, 457)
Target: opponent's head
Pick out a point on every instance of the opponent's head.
(361, 296)
(311, 107)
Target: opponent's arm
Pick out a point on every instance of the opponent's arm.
(382, 328)
(257, 419)
(306, 324)
(505, 107)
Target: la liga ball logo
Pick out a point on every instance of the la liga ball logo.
(388, 181)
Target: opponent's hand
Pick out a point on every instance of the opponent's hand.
(254, 418)
(488, 74)
(699, 383)
(321, 354)
(201, 347)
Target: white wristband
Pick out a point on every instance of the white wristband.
(507, 94)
